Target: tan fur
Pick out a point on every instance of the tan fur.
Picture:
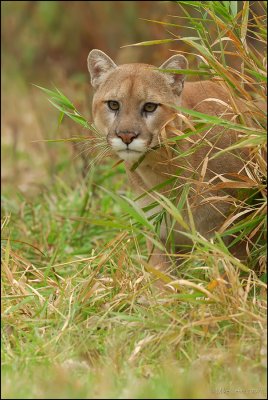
(132, 85)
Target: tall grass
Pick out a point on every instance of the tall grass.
(214, 47)
(77, 293)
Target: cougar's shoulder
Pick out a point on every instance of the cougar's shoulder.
(199, 96)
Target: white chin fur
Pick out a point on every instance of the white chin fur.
(129, 156)
(129, 153)
(138, 145)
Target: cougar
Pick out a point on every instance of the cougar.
(133, 107)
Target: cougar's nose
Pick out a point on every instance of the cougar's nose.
(127, 137)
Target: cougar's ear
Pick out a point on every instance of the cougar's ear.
(177, 61)
(99, 64)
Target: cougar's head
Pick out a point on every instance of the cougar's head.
(131, 101)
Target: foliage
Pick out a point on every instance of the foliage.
(78, 298)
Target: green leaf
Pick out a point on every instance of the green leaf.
(60, 118)
(65, 100)
(251, 223)
(244, 22)
(150, 43)
(131, 208)
(211, 119)
(172, 210)
(186, 71)
(233, 7)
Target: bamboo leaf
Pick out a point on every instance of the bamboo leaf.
(131, 208)
(150, 43)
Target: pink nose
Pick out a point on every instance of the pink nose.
(127, 137)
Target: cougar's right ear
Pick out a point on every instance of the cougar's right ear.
(99, 64)
(177, 61)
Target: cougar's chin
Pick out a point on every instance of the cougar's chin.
(131, 152)
(129, 155)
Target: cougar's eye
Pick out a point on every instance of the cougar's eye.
(113, 105)
(149, 107)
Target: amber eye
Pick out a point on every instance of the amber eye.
(113, 105)
(150, 107)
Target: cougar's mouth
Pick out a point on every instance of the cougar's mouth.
(128, 152)
(129, 155)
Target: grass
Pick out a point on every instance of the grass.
(81, 317)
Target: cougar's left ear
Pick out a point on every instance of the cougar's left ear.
(99, 64)
(177, 61)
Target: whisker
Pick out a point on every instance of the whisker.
(87, 149)
(97, 133)
(98, 157)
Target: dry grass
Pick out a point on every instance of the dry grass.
(81, 317)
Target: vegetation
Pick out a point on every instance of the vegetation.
(81, 317)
